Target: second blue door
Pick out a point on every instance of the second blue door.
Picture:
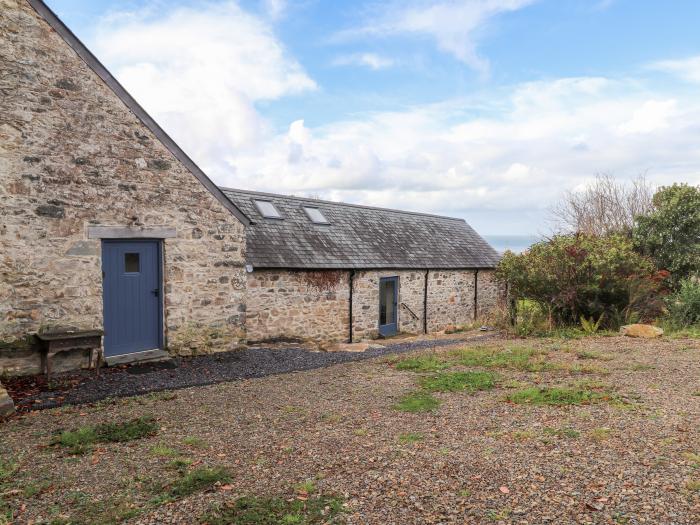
(132, 290)
(388, 299)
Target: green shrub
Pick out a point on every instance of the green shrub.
(684, 305)
(573, 276)
(669, 235)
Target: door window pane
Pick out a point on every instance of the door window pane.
(387, 314)
(131, 262)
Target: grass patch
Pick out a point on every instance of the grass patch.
(164, 451)
(523, 435)
(458, 381)
(423, 363)
(81, 441)
(693, 485)
(194, 442)
(576, 395)
(417, 402)
(601, 434)
(251, 510)
(197, 480)
(410, 438)
(516, 358)
(566, 432)
(641, 367)
(306, 487)
(693, 458)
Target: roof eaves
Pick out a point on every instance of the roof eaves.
(93, 63)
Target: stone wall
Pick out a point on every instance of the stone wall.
(450, 299)
(73, 155)
(284, 304)
(491, 294)
(365, 310)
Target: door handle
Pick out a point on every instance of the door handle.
(155, 292)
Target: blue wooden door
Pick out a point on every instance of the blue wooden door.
(132, 296)
(388, 305)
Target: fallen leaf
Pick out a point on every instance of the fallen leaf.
(226, 487)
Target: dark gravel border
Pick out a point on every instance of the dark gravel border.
(85, 387)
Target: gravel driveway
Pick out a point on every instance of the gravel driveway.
(75, 388)
(631, 457)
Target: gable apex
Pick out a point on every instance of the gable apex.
(113, 84)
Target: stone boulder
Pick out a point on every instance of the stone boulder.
(645, 331)
(7, 407)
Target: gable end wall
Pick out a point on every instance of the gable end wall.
(72, 155)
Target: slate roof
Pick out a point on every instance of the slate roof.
(358, 237)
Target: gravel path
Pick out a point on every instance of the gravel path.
(476, 459)
(84, 387)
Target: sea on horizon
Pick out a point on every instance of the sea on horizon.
(514, 243)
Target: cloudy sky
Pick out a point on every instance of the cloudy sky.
(482, 109)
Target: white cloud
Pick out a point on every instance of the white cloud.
(687, 69)
(453, 24)
(498, 159)
(500, 171)
(652, 116)
(370, 60)
(275, 8)
(200, 71)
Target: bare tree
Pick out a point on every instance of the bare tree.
(604, 206)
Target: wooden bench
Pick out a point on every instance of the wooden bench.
(53, 343)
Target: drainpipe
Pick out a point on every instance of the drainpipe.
(476, 293)
(352, 276)
(425, 304)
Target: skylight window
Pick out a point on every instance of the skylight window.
(315, 215)
(267, 209)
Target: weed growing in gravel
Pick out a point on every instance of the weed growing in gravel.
(81, 441)
(423, 363)
(306, 487)
(194, 442)
(498, 515)
(641, 367)
(576, 395)
(163, 451)
(417, 402)
(457, 381)
(693, 485)
(693, 458)
(198, 479)
(251, 510)
(562, 432)
(523, 435)
(586, 369)
(516, 358)
(601, 434)
(410, 437)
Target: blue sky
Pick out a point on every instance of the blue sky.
(483, 109)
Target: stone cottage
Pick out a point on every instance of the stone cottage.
(342, 272)
(105, 223)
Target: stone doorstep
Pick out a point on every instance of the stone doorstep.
(147, 356)
(7, 406)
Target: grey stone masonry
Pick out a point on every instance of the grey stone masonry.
(74, 157)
